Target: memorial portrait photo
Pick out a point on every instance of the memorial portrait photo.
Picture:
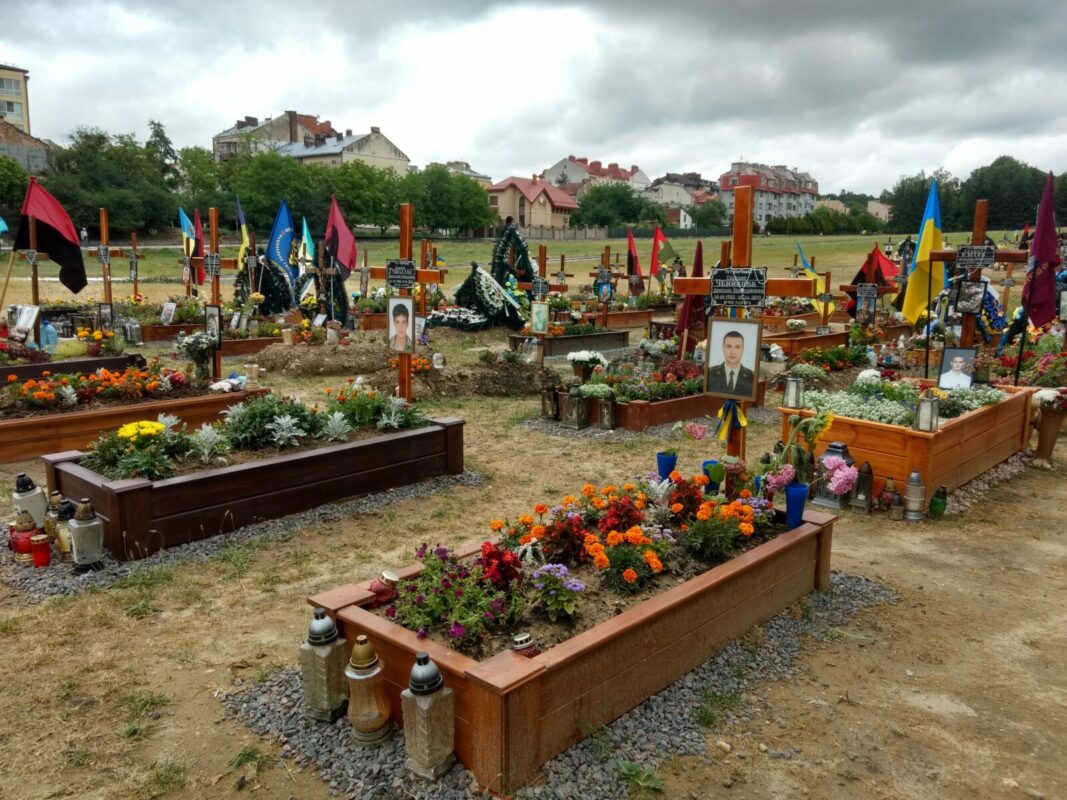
(213, 324)
(539, 317)
(401, 319)
(733, 352)
(957, 367)
(969, 299)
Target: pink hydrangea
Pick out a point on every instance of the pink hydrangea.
(843, 479)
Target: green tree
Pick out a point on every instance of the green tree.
(472, 205)
(1012, 188)
(653, 214)
(908, 199)
(160, 151)
(262, 181)
(608, 204)
(708, 215)
(13, 181)
(199, 181)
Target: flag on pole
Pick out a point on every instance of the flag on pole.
(306, 252)
(242, 226)
(188, 233)
(692, 310)
(633, 265)
(927, 278)
(662, 252)
(3, 226)
(340, 243)
(280, 244)
(440, 262)
(198, 246)
(55, 235)
(1039, 291)
(811, 273)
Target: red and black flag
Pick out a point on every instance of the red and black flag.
(1039, 291)
(55, 235)
(198, 247)
(633, 266)
(340, 243)
(692, 311)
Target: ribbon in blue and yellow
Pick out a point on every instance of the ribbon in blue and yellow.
(732, 414)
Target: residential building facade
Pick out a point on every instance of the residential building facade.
(833, 205)
(254, 136)
(15, 97)
(778, 191)
(28, 150)
(693, 181)
(671, 195)
(464, 169)
(373, 149)
(531, 201)
(573, 170)
(679, 218)
(879, 210)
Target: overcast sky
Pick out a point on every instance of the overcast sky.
(856, 93)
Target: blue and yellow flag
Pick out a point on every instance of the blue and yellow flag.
(281, 242)
(3, 226)
(188, 233)
(810, 273)
(440, 263)
(242, 226)
(306, 253)
(927, 278)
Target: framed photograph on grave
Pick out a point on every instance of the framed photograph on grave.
(133, 266)
(27, 316)
(957, 368)
(106, 317)
(319, 321)
(539, 317)
(235, 321)
(969, 297)
(213, 324)
(732, 360)
(420, 330)
(401, 318)
(604, 292)
(166, 316)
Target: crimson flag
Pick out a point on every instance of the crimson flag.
(55, 235)
(633, 266)
(692, 310)
(198, 246)
(1039, 292)
(340, 243)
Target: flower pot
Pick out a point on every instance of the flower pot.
(583, 371)
(287, 335)
(665, 463)
(796, 495)
(713, 486)
(1048, 431)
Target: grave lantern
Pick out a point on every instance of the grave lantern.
(51, 517)
(794, 393)
(914, 498)
(939, 503)
(861, 493)
(322, 669)
(896, 508)
(524, 645)
(368, 707)
(550, 403)
(28, 496)
(889, 492)
(21, 538)
(64, 515)
(823, 496)
(251, 376)
(86, 538)
(574, 411)
(606, 413)
(927, 417)
(429, 720)
(384, 587)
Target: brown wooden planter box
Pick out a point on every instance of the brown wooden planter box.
(240, 347)
(562, 345)
(30, 437)
(793, 343)
(894, 332)
(513, 714)
(961, 449)
(165, 333)
(619, 319)
(772, 323)
(84, 366)
(373, 321)
(636, 415)
(142, 517)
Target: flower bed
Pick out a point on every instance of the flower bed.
(631, 318)
(143, 516)
(792, 342)
(515, 713)
(156, 332)
(959, 451)
(25, 372)
(562, 345)
(238, 347)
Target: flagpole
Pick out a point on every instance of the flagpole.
(929, 316)
(7, 278)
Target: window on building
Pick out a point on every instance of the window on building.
(493, 200)
(10, 87)
(733, 181)
(12, 108)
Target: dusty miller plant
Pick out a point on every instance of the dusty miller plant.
(168, 421)
(233, 413)
(393, 414)
(336, 428)
(209, 443)
(68, 396)
(285, 431)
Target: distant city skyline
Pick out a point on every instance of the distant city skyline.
(856, 94)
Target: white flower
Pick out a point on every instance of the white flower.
(1046, 397)
(590, 358)
(869, 376)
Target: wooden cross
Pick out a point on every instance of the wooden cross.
(135, 259)
(104, 253)
(978, 236)
(32, 256)
(542, 271)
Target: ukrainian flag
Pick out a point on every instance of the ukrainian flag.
(440, 263)
(242, 225)
(188, 233)
(927, 278)
(810, 273)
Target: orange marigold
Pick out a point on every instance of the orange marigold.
(540, 508)
(628, 487)
(701, 480)
(629, 576)
(675, 476)
(588, 490)
(703, 514)
(601, 561)
(537, 531)
(614, 539)
(609, 489)
(598, 503)
(12, 378)
(525, 539)
(45, 374)
(746, 528)
(639, 504)
(677, 508)
(745, 494)
(526, 519)
(568, 500)
(591, 539)
(496, 525)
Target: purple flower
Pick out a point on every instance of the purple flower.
(459, 593)
(420, 633)
(489, 616)
(390, 612)
(421, 552)
(446, 583)
(574, 586)
(441, 553)
(539, 585)
(420, 599)
(457, 631)
(497, 605)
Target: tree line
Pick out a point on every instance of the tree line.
(142, 184)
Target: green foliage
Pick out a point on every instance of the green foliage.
(199, 180)
(360, 409)
(285, 431)
(251, 428)
(712, 705)
(511, 356)
(134, 730)
(608, 204)
(250, 754)
(78, 757)
(488, 357)
(1012, 188)
(165, 777)
(399, 413)
(138, 704)
(336, 428)
(640, 778)
(708, 215)
(209, 442)
(13, 181)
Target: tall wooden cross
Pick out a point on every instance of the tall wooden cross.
(32, 256)
(542, 272)
(135, 261)
(738, 253)
(104, 254)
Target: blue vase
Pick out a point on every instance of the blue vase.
(665, 463)
(712, 486)
(796, 495)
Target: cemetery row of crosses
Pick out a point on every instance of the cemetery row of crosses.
(888, 389)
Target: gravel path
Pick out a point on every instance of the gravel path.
(647, 735)
(40, 584)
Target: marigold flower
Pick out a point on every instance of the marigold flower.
(537, 531)
(588, 490)
(746, 528)
(610, 489)
(526, 538)
(526, 519)
(614, 539)
(703, 514)
(12, 378)
(745, 494)
(601, 562)
(496, 525)
(540, 508)
(629, 576)
(598, 503)
(591, 539)
(675, 476)
(46, 373)
(568, 500)
(639, 504)
(677, 508)
(701, 480)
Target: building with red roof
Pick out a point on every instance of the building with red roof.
(779, 191)
(531, 201)
(573, 169)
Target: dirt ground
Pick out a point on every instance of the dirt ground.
(956, 691)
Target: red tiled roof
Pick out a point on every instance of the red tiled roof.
(571, 189)
(9, 134)
(314, 126)
(531, 191)
(610, 171)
